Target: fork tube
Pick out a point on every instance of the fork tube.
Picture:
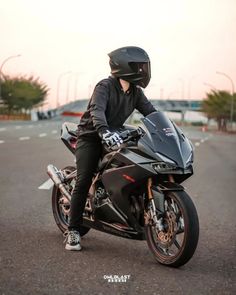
(171, 178)
(152, 207)
(149, 184)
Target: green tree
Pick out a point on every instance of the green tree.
(217, 105)
(22, 93)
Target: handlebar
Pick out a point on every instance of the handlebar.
(126, 136)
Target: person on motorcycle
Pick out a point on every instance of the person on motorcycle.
(112, 101)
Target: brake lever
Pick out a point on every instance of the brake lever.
(136, 133)
(140, 131)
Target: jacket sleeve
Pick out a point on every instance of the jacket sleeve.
(98, 107)
(143, 105)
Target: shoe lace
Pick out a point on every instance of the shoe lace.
(71, 236)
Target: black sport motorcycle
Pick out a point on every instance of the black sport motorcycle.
(136, 191)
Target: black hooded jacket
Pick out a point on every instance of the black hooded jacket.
(110, 106)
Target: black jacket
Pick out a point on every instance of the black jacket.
(110, 106)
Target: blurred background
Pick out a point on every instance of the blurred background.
(62, 48)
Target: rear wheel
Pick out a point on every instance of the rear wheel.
(176, 243)
(61, 206)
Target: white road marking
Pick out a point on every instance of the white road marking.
(24, 138)
(202, 140)
(2, 129)
(18, 127)
(47, 185)
(42, 134)
(197, 143)
(30, 126)
(54, 131)
(2, 141)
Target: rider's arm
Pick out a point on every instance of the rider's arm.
(98, 107)
(143, 105)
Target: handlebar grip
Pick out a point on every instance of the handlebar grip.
(132, 134)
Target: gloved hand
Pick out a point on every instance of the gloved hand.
(112, 139)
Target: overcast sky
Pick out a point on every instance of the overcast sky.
(187, 41)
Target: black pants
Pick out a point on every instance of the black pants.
(87, 154)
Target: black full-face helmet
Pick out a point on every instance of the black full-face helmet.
(131, 64)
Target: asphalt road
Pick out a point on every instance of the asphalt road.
(32, 255)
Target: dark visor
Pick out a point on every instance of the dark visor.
(140, 68)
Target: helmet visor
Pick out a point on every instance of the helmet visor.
(142, 68)
(142, 72)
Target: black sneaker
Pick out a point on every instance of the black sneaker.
(72, 240)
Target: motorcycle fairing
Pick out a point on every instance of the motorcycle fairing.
(115, 229)
(118, 185)
(163, 137)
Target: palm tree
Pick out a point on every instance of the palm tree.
(23, 93)
(217, 106)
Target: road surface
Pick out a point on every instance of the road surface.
(32, 255)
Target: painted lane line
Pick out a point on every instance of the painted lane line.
(47, 185)
(197, 143)
(2, 129)
(202, 140)
(2, 141)
(18, 127)
(30, 126)
(42, 134)
(54, 131)
(24, 138)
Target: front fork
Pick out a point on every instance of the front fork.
(152, 217)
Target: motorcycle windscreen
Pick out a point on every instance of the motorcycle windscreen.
(164, 138)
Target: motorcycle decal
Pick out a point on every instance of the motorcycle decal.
(168, 131)
(129, 178)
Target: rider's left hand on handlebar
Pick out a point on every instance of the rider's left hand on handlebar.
(112, 139)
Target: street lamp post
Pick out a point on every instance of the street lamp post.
(58, 85)
(210, 85)
(182, 88)
(75, 84)
(68, 89)
(232, 98)
(190, 87)
(190, 91)
(3, 63)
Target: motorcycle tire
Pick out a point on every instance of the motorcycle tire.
(180, 218)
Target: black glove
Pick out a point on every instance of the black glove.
(112, 139)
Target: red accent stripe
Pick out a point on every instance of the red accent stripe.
(129, 178)
(66, 113)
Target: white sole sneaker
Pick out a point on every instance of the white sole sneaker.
(73, 248)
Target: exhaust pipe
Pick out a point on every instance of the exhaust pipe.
(55, 174)
(58, 179)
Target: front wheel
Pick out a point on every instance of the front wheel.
(176, 243)
(61, 206)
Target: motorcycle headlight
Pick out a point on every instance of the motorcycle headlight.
(163, 167)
